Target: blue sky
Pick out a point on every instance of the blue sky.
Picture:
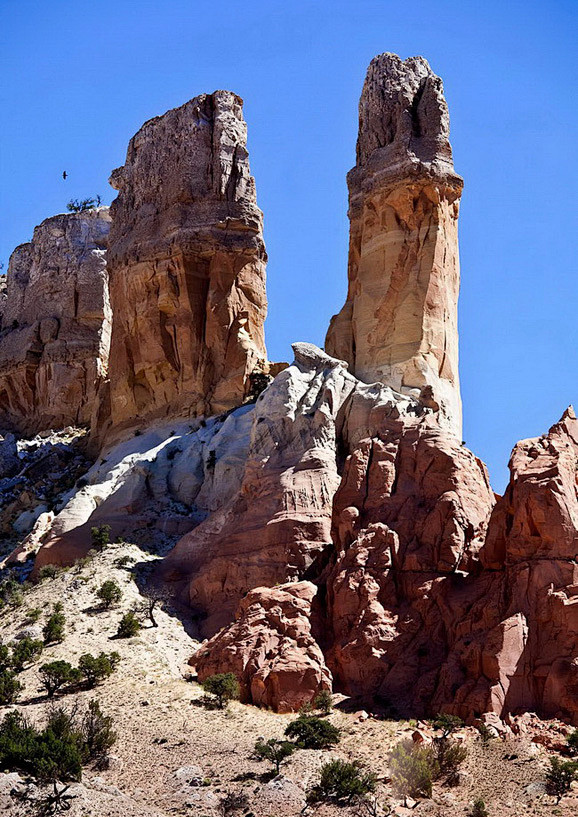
(78, 79)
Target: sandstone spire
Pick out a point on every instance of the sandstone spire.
(399, 322)
(55, 324)
(187, 265)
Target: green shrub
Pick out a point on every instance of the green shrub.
(33, 615)
(129, 626)
(48, 572)
(449, 755)
(96, 668)
(53, 630)
(342, 781)
(25, 651)
(324, 702)
(573, 742)
(447, 724)
(485, 734)
(413, 768)
(224, 687)
(560, 777)
(479, 809)
(57, 674)
(310, 732)
(10, 687)
(10, 593)
(275, 751)
(100, 536)
(80, 205)
(109, 593)
(5, 660)
(97, 731)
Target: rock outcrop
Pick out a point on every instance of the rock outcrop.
(399, 322)
(270, 648)
(55, 329)
(187, 268)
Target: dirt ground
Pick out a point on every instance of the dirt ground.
(176, 757)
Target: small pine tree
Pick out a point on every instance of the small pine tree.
(95, 669)
(275, 751)
(100, 536)
(224, 687)
(25, 651)
(342, 781)
(57, 674)
(560, 777)
(98, 734)
(129, 626)
(109, 593)
(479, 809)
(573, 742)
(10, 687)
(324, 702)
(310, 732)
(447, 724)
(53, 630)
(413, 768)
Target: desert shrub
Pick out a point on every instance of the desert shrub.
(33, 615)
(449, 755)
(485, 734)
(96, 668)
(25, 652)
(234, 802)
(479, 808)
(109, 593)
(560, 776)
(310, 732)
(58, 674)
(53, 630)
(573, 742)
(129, 625)
(10, 593)
(100, 536)
(5, 660)
(324, 702)
(48, 572)
(413, 768)
(447, 724)
(275, 751)
(342, 781)
(224, 687)
(10, 687)
(97, 732)
(80, 205)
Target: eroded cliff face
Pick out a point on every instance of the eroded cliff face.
(187, 268)
(55, 324)
(399, 322)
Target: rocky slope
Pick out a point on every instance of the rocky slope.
(55, 324)
(399, 322)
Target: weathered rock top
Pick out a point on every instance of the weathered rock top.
(404, 120)
(186, 180)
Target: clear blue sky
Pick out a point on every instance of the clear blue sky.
(78, 79)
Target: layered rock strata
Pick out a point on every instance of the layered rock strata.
(399, 322)
(187, 267)
(55, 329)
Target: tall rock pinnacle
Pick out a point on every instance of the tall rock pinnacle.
(187, 266)
(399, 322)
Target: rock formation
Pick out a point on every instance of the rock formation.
(55, 328)
(399, 322)
(187, 267)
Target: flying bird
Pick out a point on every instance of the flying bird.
(64, 174)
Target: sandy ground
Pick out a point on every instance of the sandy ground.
(176, 757)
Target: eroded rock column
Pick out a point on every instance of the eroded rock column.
(187, 263)
(399, 322)
(55, 324)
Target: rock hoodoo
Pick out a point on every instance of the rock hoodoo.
(187, 267)
(55, 324)
(399, 322)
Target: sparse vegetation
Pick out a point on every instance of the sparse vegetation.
(10, 687)
(129, 625)
(413, 769)
(81, 205)
(275, 751)
(100, 536)
(323, 702)
(58, 674)
(10, 593)
(48, 572)
(310, 732)
(53, 630)
(95, 669)
(109, 593)
(447, 724)
(224, 687)
(98, 733)
(342, 781)
(25, 651)
(573, 742)
(560, 777)
(485, 734)
(33, 615)
(479, 809)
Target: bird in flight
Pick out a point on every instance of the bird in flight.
(64, 174)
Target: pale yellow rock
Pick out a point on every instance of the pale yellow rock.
(399, 323)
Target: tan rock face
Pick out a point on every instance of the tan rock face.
(399, 322)
(55, 329)
(270, 648)
(187, 265)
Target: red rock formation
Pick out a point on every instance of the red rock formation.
(399, 322)
(270, 649)
(187, 267)
(55, 328)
